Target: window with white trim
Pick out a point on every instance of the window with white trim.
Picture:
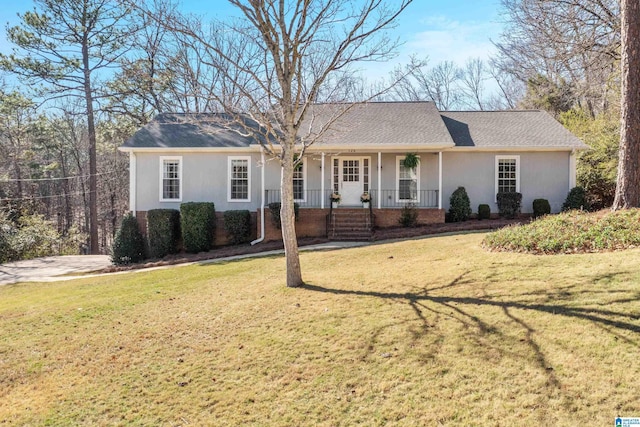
(407, 182)
(299, 181)
(170, 179)
(239, 179)
(507, 174)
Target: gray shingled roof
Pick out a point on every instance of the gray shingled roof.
(375, 123)
(191, 131)
(380, 123)
(508, 129)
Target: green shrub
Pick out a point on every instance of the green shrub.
(408, 216)
(163, 232)
(237, 224)
(32, 236)
(484, 212)
(576, 199)
(509, 204)
(541, 207)
(275, 213)
(128, 246)
(459, 205)
(7, 230)
(570, 232)
(198, 222)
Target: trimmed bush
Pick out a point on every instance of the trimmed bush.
(237, 224)
(198, 223)
(408, 216)
(163, 232)
(128, 246)
(275, 213)
(541, 207)
(509, 204)
(484, 212)
(570, 232)
(459, 205)
(576, 199)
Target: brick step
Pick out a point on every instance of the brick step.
(352, 237)
(352, 227)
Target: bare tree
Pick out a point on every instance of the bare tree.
(628, 181)
(472, 79)
(577, 41)
(278, 60)
(64, 46)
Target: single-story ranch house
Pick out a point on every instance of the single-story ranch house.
(180, 158)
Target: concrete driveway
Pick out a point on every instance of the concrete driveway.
(50, 269)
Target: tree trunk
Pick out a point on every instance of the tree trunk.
(68, 214)
(628, 183)
(94, 244)
(287, 221)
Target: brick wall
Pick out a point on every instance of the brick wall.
(385, 218)
(311, 223)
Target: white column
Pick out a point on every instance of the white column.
(322, 183)
(379, 180)
(572, 170)
(132, 182)
(439, 179)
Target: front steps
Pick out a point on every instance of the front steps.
(350, 224)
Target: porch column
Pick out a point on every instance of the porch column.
(322, 183)
(132, 182)
(439, 179)
(379, 180)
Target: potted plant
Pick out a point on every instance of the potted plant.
(335, 199)
(365, 198)
(411, 161)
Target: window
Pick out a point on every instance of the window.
(507, 174)
(407, 182)
(299, 181)
(239, 179)
(170, 179)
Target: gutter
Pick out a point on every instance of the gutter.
(261, 238)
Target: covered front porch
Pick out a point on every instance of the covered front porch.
(379, 199)
(352, 178)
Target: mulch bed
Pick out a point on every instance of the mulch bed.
(379, 235)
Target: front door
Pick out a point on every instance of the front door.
(350, 181)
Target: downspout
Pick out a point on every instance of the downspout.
(322, 183)
(261, 238)
(572, 169)
(132, 183)
(439, 179)
(379, 180)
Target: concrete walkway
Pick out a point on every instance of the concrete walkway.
(49, 269)
(57, 268)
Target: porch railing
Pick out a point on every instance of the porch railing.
(396, 199)
(388, 198)
(312, 198)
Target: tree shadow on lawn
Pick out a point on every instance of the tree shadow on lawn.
(460, 309)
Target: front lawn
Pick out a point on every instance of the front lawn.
(429, 332)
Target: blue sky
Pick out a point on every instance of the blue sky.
(439, 29)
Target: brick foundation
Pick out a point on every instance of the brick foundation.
(386, 218)
(311, 222)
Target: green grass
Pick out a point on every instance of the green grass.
(427, 332)
(571, 232)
